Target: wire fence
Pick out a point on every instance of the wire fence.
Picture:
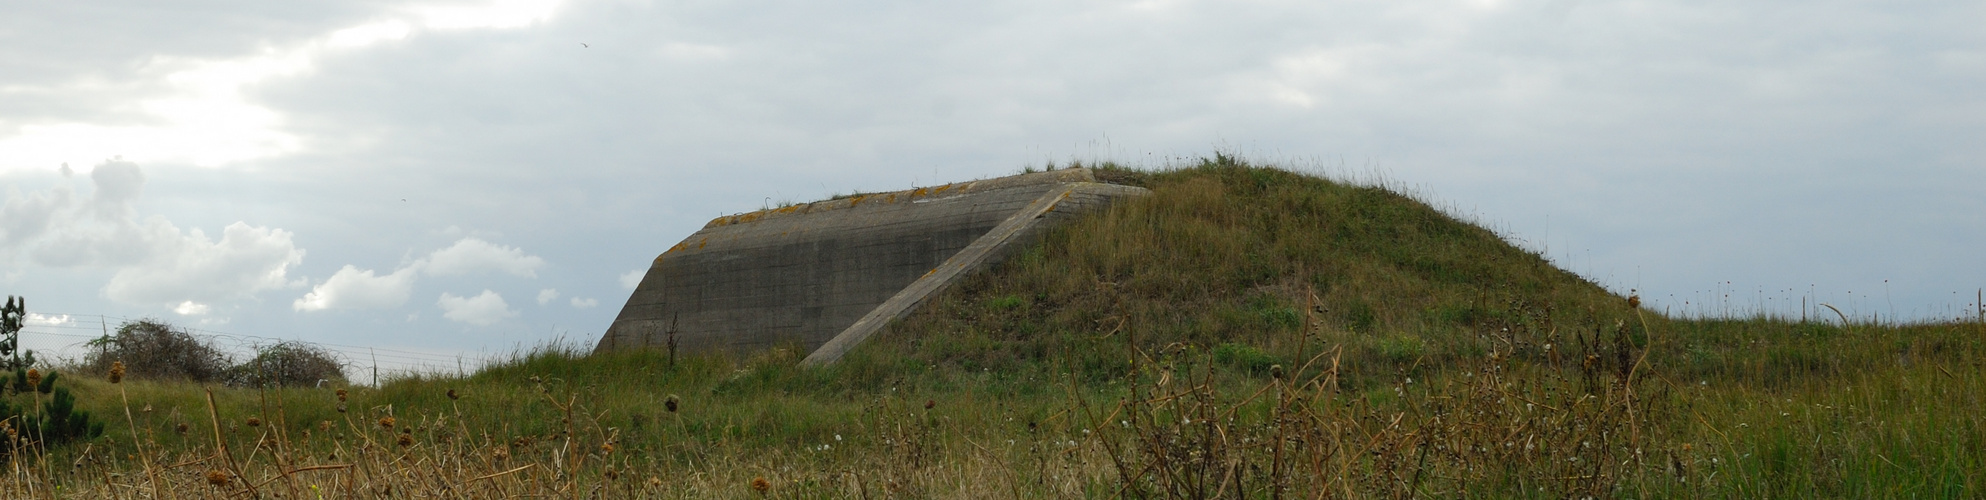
(64, 338)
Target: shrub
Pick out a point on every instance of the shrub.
(156, 350)
(288, 363)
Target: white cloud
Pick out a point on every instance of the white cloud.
(470, 255)
(191, 308)
(155, 262)
(353, 288)
(246, 260)
(632, 278)
(584, 303)
(548, 295)
(201, 110)
(481, 310)
(49, 319)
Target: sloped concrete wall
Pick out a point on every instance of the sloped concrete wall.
(803, 274)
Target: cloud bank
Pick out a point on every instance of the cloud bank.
(154, 261)
(354, 288)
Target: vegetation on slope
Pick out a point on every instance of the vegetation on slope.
(1228, 253)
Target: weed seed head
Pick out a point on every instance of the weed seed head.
(1634, 301)
(181, 428)
(405, 440)
(34, 377)
(759, 484)
(386, 422)
(452, 395)
(930, 403)
(670, 403)
(254, 422)
(341, 396)
(217, 478)
(116, 371)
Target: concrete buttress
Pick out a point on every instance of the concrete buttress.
(833, 273)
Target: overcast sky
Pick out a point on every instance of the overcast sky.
(471, 176)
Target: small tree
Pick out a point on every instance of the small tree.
(12, 318)
(58, 421)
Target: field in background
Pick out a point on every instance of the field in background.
(1245, 332)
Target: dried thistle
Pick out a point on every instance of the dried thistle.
(930, 403)
(452, 395)
(34, 377)
(254, 422)
(759, 484)
(405, 440)
(181, 428)
(116, 371)
(341, 395)
(217, 477)
(386, 422)
(670, 403)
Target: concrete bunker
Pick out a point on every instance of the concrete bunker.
(829, 274)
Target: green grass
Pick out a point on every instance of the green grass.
(1198, 316)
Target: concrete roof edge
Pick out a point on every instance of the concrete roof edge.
(1082, 175)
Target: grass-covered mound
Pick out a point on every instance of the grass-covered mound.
(1229, 256)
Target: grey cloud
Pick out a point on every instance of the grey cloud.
(119, 184)
(27, 215)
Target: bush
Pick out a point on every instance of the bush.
(152, 349)
(288, 364)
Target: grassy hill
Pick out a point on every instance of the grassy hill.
(1245, 332)
(1225, 253)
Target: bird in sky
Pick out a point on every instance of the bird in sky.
(583, 45)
